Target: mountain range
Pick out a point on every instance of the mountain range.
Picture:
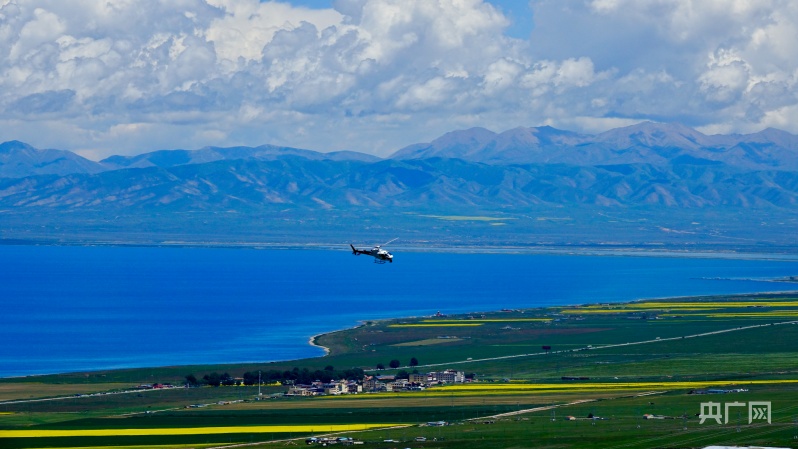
(648, 163)
(644, 143)
(657, 167)
(19, 160)
(449, 184)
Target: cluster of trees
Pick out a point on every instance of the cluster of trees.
(213, 379)
(403, 374)
(303, 376)
(295, 376)
(396, 363)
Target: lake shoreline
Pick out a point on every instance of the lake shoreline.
(313, 340)
(586, 250)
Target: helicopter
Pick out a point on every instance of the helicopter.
(380, 255)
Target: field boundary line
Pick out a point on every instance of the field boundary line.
(550, 407)
(87, 395)
(593, 348)
(286, 440)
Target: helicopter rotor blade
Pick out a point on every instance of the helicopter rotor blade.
(386, 243)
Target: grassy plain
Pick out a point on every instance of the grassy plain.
(632, 359)
(10, 391)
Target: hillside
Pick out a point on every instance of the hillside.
(447, 184)
(666, 176)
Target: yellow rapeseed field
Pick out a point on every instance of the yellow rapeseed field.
(436, 325)
(592, 386)
(30, 433)
(150, 446)
(632, 310)
(774, 313)
(489, 320)
(689, 304)
(683, 307)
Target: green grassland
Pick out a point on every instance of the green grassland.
(639, 358)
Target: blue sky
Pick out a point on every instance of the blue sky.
(104, 77)
(520, 14)
(518, 11)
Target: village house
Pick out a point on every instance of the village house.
(370, 384)
(337, 387)
(304, 390)
(417, 378)
(448, 376)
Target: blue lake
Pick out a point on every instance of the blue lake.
(84, 308)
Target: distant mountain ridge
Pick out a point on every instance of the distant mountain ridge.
(172, 158)
(646, 165)
(647, 143)
(18, 160)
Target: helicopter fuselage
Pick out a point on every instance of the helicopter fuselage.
(380, 255)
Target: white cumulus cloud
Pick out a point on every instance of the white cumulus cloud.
(123, 76)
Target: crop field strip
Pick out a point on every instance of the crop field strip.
(464, 324)
(676, 385)
(776, 313)
(650, 310)
(688, 303)
(578, 387)
(693, 309)
(152, 446)
(72, 433)
(497, 320)
(660, 304)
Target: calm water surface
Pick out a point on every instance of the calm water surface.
(80, 308)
